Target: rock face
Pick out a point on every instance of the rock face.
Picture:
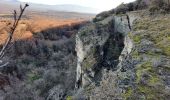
(99, 46)
(116, 59)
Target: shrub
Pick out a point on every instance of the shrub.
(141, 4)
(102, 16)
(33, 76)
(162, 6)
(121, 9)
(130, 6)
(153, 9)
(157, 3)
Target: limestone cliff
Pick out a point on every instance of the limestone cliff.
(120, 57)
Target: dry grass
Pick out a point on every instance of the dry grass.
(41, 23)
(28, 27)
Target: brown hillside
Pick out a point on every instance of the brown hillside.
(28, 27)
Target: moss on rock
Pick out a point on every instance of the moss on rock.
(149, 84)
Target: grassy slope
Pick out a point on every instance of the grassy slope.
(151, 37)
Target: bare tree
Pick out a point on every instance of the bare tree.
(4, 80)
(11, 34)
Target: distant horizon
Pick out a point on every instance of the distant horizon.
(100, 6)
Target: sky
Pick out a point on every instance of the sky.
(101, 5)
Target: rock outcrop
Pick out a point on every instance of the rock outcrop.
(117, 59)
(99, 46)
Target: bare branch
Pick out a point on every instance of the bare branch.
(15, 15)
(15, 24)
(3, 65)
(21, 8)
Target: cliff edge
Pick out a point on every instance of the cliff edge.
(124, 56)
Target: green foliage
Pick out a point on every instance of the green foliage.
(141, 68)
(33, 76)
(128, 93)
(137, 39)
(153, 79)
(165, 47)
(142, 25)
(166, 50)
(157, 31)
(90, 60)
(135, 54)
(149, 84)
(148, 88)
(69, 98)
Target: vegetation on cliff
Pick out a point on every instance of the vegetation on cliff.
(150, 35)
(141, 74)
(122, 54)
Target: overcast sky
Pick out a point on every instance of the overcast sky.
(101, 5)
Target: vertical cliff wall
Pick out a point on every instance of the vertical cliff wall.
(119, 57)
(101, 46)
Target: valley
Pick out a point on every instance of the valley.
(119, 54)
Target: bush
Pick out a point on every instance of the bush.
(130, 6)
(102, 16)
(157, 3)
(153, 9)
(140, 4)
(121, 9)
(162, 6)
